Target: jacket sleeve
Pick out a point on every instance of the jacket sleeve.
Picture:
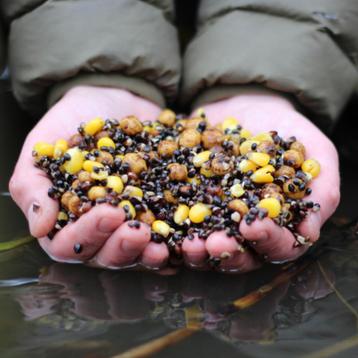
(306, 48)
(55, 45)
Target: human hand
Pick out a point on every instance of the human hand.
(261, 112)
(106, 240)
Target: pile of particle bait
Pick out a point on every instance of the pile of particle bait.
(182, 177)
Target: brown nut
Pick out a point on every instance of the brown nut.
(286, 171)
(131, 125)
(75, 140)
(105, 158)
(215, 190)
(75, 184)
(167, 117)
(193, 123)
(189, 138)
(177, 172)
(272, 190)
(169, 197)
(239, 206)
(221, 164)
(299, 147)
(146, 217)
(166, 148)
(97, 192)
(84, 176)
(136, 163)
(65, 198)
(101, 134)
(74, 205)
(267, 147)
(212, 137)
(293, 158)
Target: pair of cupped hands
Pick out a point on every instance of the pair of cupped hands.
(108, 240)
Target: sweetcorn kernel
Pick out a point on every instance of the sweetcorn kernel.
(100, 174)
(105, 142)
(181, 214)
(133, 191)
(312, 167)
(128, 207)
(201, 158)
(247, 165)
(262, 176)
(245, 133)
(262, 137)
(198, 213)
(161, 227)
(74, 165)
(115, 183)
(94, 126)
(208, 173)
(42, 149)
(260, 159)
(230, 123)
(89, 165)
(246, 146)
(272, 206)
(237, 190)
(60, 148)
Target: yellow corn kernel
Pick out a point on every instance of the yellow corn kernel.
(312, 167)
(272, 206)
(94, 126)
(62, 216)
(269, 168)
(194, 181)
(201, 158)
(246, 146)
(260, 159)
(198, 213)
(161, 227)
(119, 156)
(89, 165)
(230, 123)
(105, 142)
(96, 192)
(61, 146)
(262, 176)
(133, 191)
(237, 190)
(130, 208)
(74, 165)
(115, 183)
(247, 165)
(43, 149)
(245, 133)
(181, 214)
(261, 137)
(99, 175)
(208, 173)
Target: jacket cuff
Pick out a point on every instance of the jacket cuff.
(135, 85)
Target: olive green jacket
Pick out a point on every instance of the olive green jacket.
(306, 48)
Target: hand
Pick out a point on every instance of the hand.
(106, 240)
(261, 112)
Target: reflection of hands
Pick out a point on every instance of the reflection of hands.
(132, 296)
(266, 111)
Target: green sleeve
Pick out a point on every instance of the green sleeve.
(307, 49)
(55, 45)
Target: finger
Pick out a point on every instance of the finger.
(194, 252)
(124, 246)
(240, 262)
(219, 245)
(29, 189)
(154, 255)
(89, 233)
(273, 242)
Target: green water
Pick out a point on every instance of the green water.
(55, 310)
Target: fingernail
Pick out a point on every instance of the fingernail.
(107, 225)
(33, 215)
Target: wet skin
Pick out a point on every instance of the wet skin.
(108, 241)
